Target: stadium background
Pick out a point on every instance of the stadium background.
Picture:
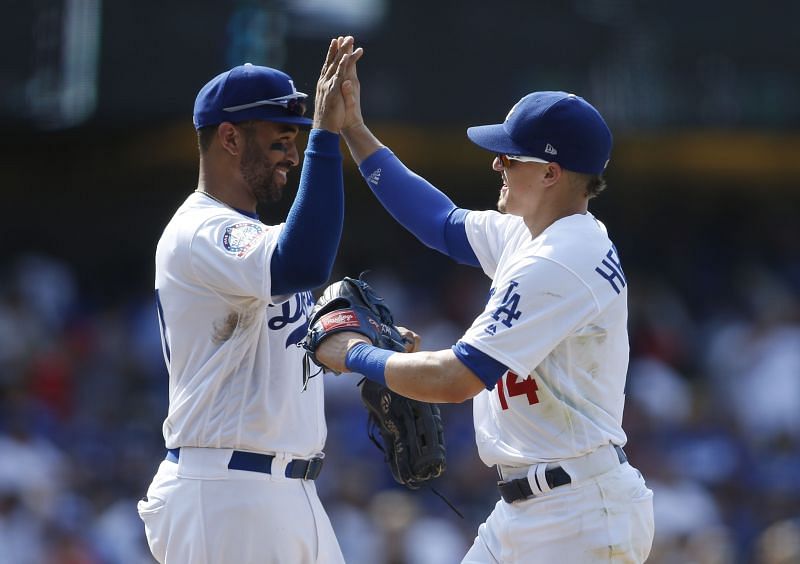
(98, 150)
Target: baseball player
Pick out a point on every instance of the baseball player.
(546, 359)
(244, 438)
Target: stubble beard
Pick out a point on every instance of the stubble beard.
(259, 174)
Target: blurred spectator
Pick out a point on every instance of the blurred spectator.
(779, 543)
(117, 534)
(48, 287)
(660, 391)
(713, 417)
(21, 535)
(32, 468)
(434, 540)
(683, 508)
(755, 365)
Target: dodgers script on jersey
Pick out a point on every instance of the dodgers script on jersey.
(235, 372)
(556, 317)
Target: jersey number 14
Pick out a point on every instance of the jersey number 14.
(516, 387)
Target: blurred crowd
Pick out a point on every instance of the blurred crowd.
(712, 416)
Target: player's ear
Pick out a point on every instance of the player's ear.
(552, 173)
(230, 138)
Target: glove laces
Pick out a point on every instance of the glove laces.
(307, 376)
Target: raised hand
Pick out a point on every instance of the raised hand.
(360, 140)
(329, 104)
(351, 91)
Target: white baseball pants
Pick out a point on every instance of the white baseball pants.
(200, 512)
(604, 519)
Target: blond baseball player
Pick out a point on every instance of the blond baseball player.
(244, 435)
(546, 360)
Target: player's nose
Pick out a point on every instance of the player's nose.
(292, 155)
(497, 164)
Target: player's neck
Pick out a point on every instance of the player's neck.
(545, 215)
(225, 189)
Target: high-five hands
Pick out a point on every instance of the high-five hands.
(351, 91)
(336, 77)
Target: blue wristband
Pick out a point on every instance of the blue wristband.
(368, 360)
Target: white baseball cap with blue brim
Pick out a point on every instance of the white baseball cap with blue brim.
(250, 92)
(550, 127)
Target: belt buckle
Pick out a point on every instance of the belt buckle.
(312, 468)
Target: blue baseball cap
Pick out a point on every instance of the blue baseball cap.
(553, 127)
(250, 92)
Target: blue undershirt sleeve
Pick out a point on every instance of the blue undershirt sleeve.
(482, 365)
(306, 248)
(419, 206)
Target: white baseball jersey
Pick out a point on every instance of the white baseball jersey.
(235, 372)
(557, 318)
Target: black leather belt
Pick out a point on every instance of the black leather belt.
(253, 462)
(515, 490)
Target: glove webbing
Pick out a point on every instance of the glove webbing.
(372, 424)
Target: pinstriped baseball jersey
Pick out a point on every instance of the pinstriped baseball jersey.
(557, 318)
(235, 372)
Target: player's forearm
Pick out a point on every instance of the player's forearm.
(361, 142)
(418, 206)
(430, 376)
(426, 376)
(306, 248)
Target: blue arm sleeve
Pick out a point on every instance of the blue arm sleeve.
(306, 248)
(482, 365)
(418, 206)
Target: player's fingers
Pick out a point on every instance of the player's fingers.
(336, 55)
(347, 92)
(412, 340)
(339, 77)
(352, 107)
(345, 47)
(332, 49)
(351, 63)
(351, 96)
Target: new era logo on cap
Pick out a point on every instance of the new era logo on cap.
(551, 126)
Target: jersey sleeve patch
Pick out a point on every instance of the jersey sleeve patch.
(240, 239)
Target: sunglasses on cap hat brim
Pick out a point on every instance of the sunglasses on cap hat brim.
(519, 158)
(293, 103)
